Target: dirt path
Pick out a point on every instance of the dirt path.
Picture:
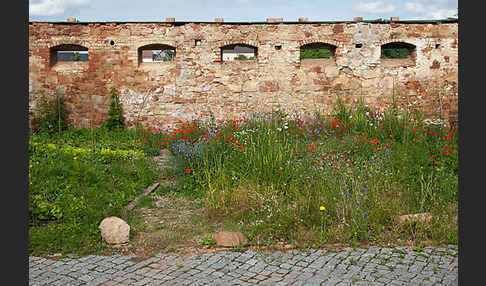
(166, 223)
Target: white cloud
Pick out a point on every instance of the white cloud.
(442, 13)
(53, 7)
(374, 7)
(432, 9)
(414, 7)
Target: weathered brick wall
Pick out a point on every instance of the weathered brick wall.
(199, 83)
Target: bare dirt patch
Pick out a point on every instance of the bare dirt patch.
(166, 225)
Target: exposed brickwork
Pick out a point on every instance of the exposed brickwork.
(199, 82)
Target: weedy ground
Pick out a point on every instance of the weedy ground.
(304, 181)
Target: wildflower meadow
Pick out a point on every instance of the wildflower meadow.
(305, 180)
(319, 179)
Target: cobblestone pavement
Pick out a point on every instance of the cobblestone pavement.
(348, 266)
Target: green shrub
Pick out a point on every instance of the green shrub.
(243, 58)
(52, 115)
(115, 119)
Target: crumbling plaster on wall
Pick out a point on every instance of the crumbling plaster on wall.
(198, 82)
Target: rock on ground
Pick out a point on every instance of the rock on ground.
(229, 238)
(114, 230)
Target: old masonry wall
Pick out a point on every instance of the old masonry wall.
(198, 83)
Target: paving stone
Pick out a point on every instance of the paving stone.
(313, 267)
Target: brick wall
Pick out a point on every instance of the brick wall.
(197, 82)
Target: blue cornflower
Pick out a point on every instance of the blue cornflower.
(371, 208)
(365, 214)
(341, 212)
(350, 195)
(357, 203)
(364, 190)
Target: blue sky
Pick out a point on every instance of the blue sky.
(238, 10)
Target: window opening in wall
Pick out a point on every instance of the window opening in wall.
(68, 53)
(317, 51)
(437, 46)
(112, 43)
(238, 52)
(72, 56)
(278, 47)
(156, 53)
(359, 46)
(197, 42)
(398, 53)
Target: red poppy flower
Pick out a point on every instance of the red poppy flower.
(188, 171)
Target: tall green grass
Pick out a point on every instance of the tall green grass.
(271, 173)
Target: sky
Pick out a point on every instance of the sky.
(238, 10)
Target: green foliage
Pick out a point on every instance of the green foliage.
(76, 57)
(394, 53)
(208, 240)
(69, 194)
(163, 55)
(118, 139)
(316, 53)
(52, 115)
(115, 119)
(243, 58)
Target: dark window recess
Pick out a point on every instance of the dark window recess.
(278, 47)
(359, 46)
(397, 51)
(197, 42)
(112, 43)
(68, 53)
(156, 53)
(437, 46)
(238, 52)
(317, 51)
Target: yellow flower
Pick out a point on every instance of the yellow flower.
(75, 158)
(322, 208)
